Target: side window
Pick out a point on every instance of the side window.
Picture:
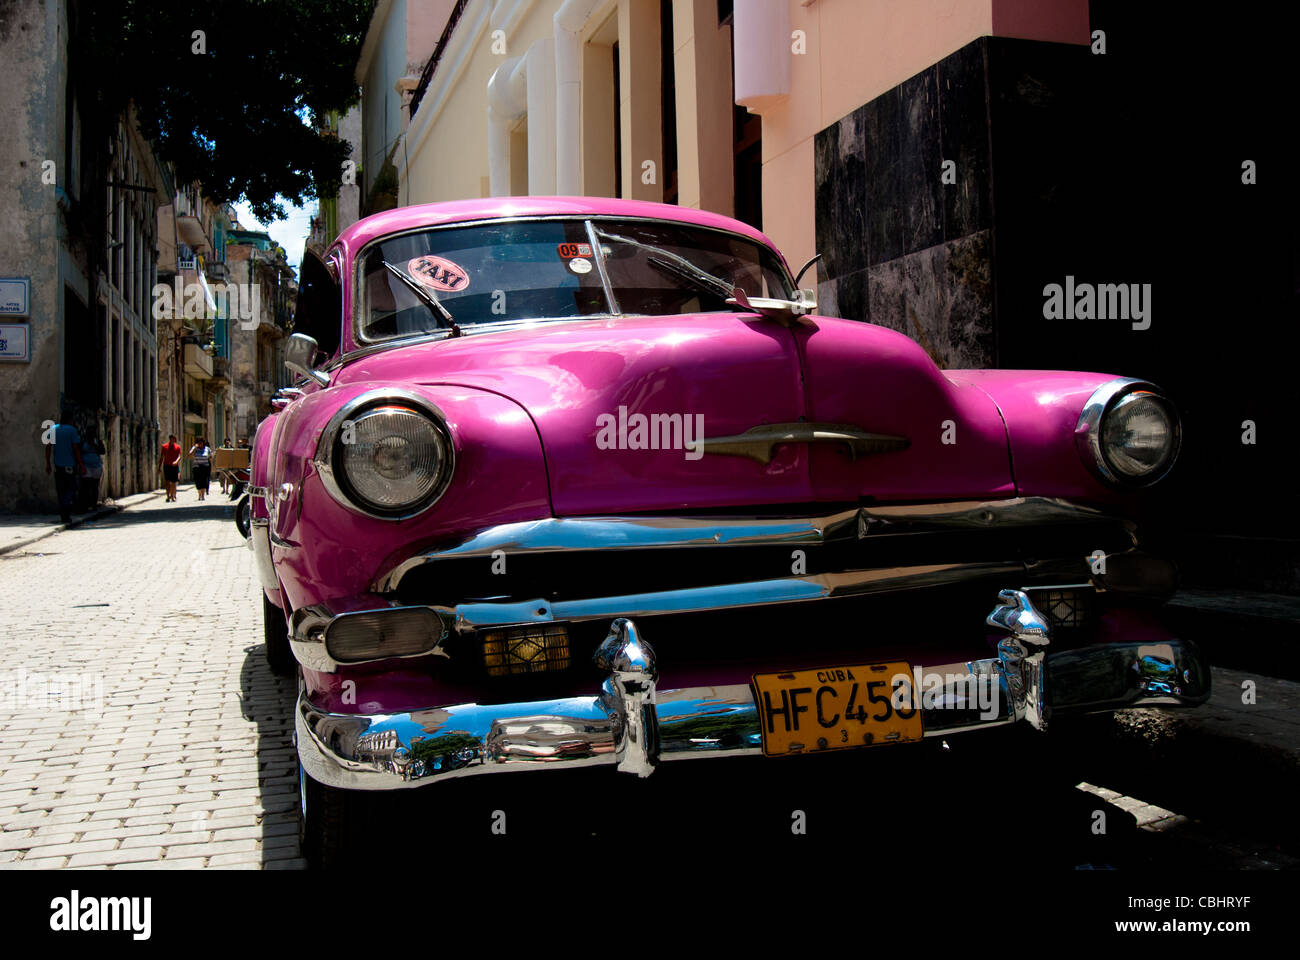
(319, 312)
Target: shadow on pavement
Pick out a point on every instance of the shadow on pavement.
(268, 701)
(161, 512)
(1228, 792)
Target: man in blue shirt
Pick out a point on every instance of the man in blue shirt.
(65, 453)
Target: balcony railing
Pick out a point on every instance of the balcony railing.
(426, 76)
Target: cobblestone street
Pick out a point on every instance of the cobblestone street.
(190, 761)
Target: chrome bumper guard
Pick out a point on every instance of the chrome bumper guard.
(259, 541)
(633, 723)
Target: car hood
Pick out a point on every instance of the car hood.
(625, 407)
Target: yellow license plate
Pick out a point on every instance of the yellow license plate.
(834, 708)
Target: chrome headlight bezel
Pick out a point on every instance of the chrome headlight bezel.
(334, 478)
(1088, 431)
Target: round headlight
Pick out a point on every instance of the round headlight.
(1128, 433)
(1138, 436)
(390, 460)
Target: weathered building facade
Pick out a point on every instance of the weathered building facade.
(257, 339)
(78, 229)
(195, 314)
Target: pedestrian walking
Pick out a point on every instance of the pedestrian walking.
(201, 453)
(170, 461)
(63, 459)
(92, 453)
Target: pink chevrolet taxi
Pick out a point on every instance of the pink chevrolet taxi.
(570, 482)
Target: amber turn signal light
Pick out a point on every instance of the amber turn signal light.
(536, 648)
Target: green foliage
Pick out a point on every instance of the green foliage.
(448, 743)
(240, 116)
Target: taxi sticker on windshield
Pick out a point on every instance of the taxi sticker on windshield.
(439, 273)
(568, 251)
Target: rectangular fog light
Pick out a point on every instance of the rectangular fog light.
(381, 634)
(536, 648)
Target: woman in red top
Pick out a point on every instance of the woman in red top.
(170, 461)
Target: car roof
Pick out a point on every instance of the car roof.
(438, 214)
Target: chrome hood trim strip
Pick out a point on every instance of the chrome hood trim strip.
(759, 443)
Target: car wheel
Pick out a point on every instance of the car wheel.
(275, 632)
(243, 517)
(324, 820)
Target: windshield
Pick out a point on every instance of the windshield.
(548, 269)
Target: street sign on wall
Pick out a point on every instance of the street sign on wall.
(15, 292)
(14, 344)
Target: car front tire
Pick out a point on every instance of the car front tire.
(243, 517)
(325, 817)
(275, 633)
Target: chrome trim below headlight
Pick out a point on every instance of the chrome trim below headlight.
(1088, 430)
(362, 403)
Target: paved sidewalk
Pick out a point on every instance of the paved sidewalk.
(19, 530)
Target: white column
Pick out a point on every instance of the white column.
(507, 103)
(568, 23)
(541, 117)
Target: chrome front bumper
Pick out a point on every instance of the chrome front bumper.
(634, 722)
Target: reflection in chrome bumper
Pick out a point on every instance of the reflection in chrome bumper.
(633, 722)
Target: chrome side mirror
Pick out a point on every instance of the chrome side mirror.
(300, 357)
(807, 300)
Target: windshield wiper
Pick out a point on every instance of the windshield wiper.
(679, 267)
(427, 297)
(784, 312)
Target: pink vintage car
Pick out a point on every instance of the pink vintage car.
(574, 481)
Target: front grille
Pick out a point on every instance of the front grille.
(931, 624)
(582, 574)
